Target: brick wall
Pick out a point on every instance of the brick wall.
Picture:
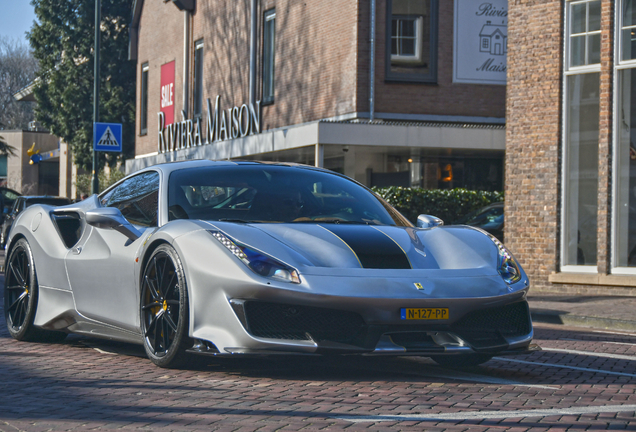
(533, 140)
(160, 42)
(443, 98)
(316, 56)
(534, 144)
(322, 62)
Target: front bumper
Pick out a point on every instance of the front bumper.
(283, 328)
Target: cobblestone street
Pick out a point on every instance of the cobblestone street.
(583, 380)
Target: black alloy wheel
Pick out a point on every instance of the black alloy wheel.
(164, 308)
(21, 297)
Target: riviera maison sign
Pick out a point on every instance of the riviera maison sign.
(221, 125)
(480, 45)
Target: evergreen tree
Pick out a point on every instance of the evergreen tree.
(6, 150)
(63, 39)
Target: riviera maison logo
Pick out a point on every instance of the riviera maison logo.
(487, 9)
(221, 125)
(493, 38)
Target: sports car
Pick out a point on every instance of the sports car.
(250, 258)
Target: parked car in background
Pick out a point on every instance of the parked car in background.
(489, 218)
(22, 202)
(7, 198)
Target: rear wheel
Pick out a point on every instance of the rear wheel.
(21, 297)
(164, 309)
(461, 361)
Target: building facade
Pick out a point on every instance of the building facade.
(571, 145)
(51, 175)
(371, 89)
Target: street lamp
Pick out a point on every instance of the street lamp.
(98, 7)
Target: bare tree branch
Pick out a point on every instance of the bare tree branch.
(17, 70)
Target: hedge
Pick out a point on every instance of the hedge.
(448, 205)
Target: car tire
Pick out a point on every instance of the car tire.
(21, 297)
(164, 309)
(462, 360)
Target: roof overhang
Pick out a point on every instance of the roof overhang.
(380, 135)
(25, 94)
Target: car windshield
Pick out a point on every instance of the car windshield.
(274, 193)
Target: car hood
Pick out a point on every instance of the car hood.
(344, 246)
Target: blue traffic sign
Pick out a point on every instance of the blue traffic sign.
(107, 137)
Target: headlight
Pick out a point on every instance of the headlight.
(257, 262)
(506, 264)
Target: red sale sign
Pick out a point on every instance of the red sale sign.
(167, 92)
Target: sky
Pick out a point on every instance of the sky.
(17, 18)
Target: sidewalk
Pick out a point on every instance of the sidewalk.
(601, 312)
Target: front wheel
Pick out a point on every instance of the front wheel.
(21, 297)
(462, 360)
(164, 309)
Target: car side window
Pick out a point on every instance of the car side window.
(137, 198)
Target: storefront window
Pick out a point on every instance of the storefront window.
(580, 158)
(581, 173)
(625, 247)
(624, 199)
(411, 40)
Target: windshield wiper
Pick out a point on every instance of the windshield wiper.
(233, 220)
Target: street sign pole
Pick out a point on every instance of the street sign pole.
(98, 7)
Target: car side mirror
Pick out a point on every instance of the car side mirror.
(428, 221)
(111, 218)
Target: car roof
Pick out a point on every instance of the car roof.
(168, 167)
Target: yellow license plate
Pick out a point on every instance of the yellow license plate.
(424, 313)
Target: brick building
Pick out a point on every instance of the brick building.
(287, 80)
(570, 145)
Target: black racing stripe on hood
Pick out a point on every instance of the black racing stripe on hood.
(374, 248)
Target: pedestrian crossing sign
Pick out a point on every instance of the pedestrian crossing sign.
(107, 137)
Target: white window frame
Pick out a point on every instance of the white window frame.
(419, 28)
(565, 162)
(586, 66)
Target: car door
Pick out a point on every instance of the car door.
(101, 266)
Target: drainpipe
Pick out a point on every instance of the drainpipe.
(253, 41)
(372, 64)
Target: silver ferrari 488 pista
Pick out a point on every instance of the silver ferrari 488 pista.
(247, 258)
